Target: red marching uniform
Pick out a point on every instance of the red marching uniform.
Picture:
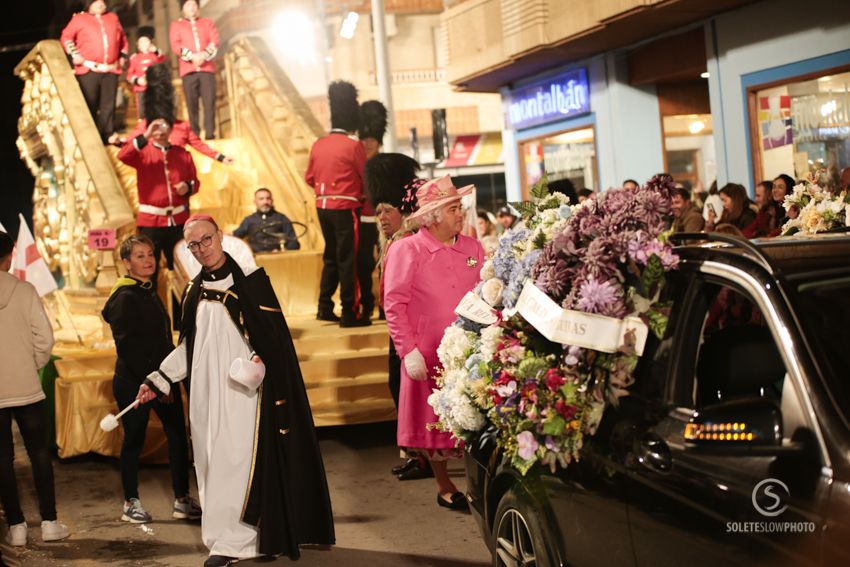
(99, 40)
(139, 63)
(191, 36)
(335, 171)
(182, 136)
(101, 43)
(159, 170)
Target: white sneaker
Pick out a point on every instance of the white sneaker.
(17, 535)
(54, 531)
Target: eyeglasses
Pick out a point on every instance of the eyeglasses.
(206, 241)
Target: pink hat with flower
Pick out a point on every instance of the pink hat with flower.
(438, 193)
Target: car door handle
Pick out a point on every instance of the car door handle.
(653, 453)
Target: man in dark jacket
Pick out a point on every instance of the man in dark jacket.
(686, 217)
(266, 229)
(142, 333)
(268, 495)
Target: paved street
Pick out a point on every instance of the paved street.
(379, 520)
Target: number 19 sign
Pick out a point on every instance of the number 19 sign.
(102, 239)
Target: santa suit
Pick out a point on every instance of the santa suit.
(101, 42)
(187, 38)
(162, 211)
(139, 64)
(335, 171)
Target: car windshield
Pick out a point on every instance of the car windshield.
(822, 304)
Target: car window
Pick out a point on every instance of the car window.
(737, 357)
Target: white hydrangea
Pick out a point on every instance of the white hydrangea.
(488, 271)
(490, 338)
(454, 346)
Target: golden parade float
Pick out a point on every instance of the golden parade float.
(85, 202)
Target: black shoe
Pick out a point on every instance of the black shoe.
(355, 322)
(419, 471)
(405, 466)
(221, 560)
(458, 502)
(327, 316)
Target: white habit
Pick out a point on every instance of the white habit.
(222, 416)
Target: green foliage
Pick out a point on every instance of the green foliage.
(540, 190)
(652, 275)
(554, 425)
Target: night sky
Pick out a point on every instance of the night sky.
(21, 23)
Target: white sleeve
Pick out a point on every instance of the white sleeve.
(172, 370)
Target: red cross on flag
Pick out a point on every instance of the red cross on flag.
(27, 263)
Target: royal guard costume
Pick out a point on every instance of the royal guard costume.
(159, 169)
(335, 171)
(182, 134)
(373, 127)
(139, 64)
(189, 37)
(98, 43)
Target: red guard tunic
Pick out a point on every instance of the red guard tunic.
(182, 135)
(194, 36)
(139, 63)
(335, 171)
(158, 170)
(99, 40)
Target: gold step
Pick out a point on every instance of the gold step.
(348, 413)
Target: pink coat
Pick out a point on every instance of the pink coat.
(423, 283)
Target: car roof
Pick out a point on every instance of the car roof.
(789, 255)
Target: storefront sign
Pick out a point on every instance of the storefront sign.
(563, 96)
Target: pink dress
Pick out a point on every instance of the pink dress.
(423, 283)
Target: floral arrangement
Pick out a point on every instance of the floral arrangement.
(817, 210)
(607, 256)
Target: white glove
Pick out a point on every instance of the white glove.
(414, 363)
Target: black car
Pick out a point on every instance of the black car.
(733, 447)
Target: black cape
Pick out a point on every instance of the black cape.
(288, 496)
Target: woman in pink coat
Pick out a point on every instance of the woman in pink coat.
(426, 276)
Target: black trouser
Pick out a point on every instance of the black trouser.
(99, 90)
(30, 420)
(164, 239)
(200, 86)
(136, 424)
(340, 229)
(366, 263)
(140, 105)
(394, 362)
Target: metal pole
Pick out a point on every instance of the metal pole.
(382, 66)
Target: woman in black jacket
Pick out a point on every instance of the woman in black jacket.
(142, 333)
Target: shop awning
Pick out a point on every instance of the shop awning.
(476, 150)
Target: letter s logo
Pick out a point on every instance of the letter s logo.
(768, 488)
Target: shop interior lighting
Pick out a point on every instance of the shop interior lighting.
(696, 126)
(349, 25)
(704, 75)
(828, 108)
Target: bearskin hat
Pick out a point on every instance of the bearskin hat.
(389, 179)
(159, 96)
(345, 113)
(146, 31)
(373, 120)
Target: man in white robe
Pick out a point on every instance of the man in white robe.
(225, 416)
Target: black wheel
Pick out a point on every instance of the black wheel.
(518, 540)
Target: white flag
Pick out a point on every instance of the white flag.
(28, 265)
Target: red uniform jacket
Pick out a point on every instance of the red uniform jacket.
(193, 36)
(335, 171)
(181, 135)
(139, 63)
(158, 170)
(100, 40)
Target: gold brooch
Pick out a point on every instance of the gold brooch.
(471, 262)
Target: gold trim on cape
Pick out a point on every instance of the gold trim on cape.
(254, 450)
